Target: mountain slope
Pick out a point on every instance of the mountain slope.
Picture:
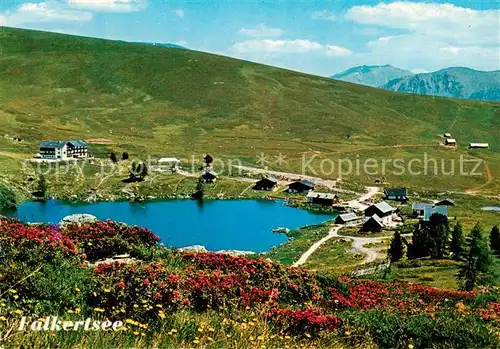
(159, 101)
(455, 82)
(167, 44)
(372, 75)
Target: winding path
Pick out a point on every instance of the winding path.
(332, 233)
(358, 242)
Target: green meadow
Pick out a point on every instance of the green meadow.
(158, 101)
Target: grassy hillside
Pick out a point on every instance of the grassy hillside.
(161, 101)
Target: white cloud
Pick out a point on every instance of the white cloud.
(268, 46)
(333, 50)
(109, 5)
(262, 31)
(49, 11)
(407, 51)
(436, 20)
(324, 15)
(450, 49)
(179, 12)
(431, 36)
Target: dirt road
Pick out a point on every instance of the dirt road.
(358, 242)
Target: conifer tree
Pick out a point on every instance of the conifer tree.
(457, 242)
(478, 259)
(495, 240)
(396, 249)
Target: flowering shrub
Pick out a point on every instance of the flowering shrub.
(104, 239)
(96, 231)
(47, 267)
(405, 298)
(94, 240)
(492, 312)
(145, 290)
(45, 235)
(307, 322)
(296, 285)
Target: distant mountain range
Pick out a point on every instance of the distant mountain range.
(167, 44)
(372, 75)
(456, 82)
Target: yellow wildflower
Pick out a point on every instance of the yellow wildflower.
(99, 310)
(260, 338)
(77, 289)
(196, 341)
(308, 335)
(461, 307)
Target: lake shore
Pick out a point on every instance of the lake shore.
(215, 224)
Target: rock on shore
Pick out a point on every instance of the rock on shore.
(78, 218)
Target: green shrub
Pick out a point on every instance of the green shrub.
(40, 285)
(7, 198)
(445, 330)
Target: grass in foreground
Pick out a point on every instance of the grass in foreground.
(299, 242)
(334, 256)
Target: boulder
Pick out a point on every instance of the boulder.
(193, 249)
(78, 218)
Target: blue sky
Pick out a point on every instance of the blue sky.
(318, 37)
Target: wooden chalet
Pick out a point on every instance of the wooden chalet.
(450, 141)
(445, 202)
(302, 186)
(344, 218)
(397, 194)
(266, 183)
(325, 199)
(383, 211)
(373, 224)
(479, 145)
(209, 177)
